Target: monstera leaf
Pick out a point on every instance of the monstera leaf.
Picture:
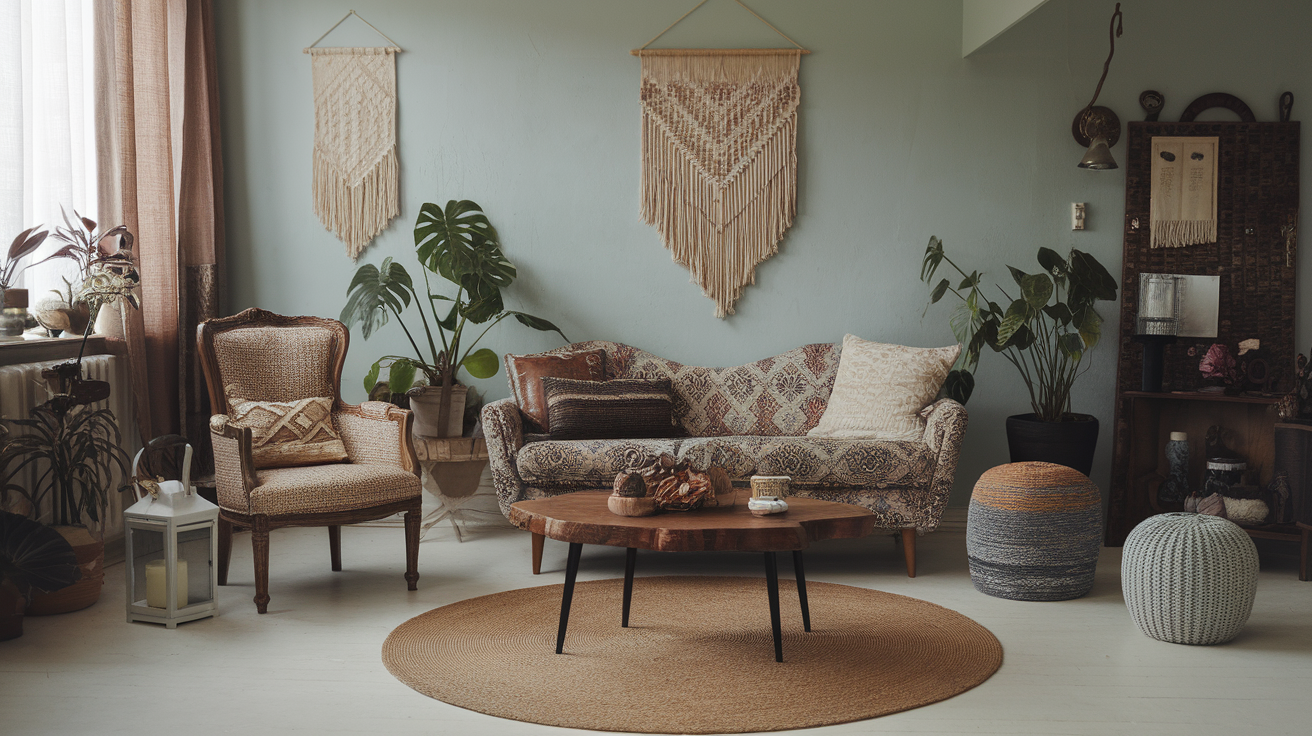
(374, 292)
(459, 244)
(35, 557)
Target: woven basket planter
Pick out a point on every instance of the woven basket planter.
(1189, 578)
(1033, 532)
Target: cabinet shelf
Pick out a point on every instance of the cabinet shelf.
(1200, 396)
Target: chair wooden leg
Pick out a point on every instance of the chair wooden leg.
(225, 550)
(1303, 572)
(260, 546)
(538, 539)
(335, 547)
(909, 550)
(412, 547)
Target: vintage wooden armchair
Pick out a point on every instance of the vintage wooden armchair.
(262, 356)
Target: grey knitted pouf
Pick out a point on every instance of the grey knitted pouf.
(1033, 532)
(1189, 578)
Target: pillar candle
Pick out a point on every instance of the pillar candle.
(157, 584)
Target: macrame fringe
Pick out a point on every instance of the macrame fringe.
(356, 213)
(1179, 233)
(722, 227)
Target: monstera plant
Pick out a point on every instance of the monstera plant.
(459, 244)
(1045, 326)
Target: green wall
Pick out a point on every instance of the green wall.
(529, 107)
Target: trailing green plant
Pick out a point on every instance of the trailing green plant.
(1045, 331)
(459, 244)
(74, 451)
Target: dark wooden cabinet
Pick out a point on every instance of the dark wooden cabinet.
(1254, 256)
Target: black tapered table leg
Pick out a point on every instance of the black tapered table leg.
(801, 588)
(630, 561)
(772, 586)
(571, 572)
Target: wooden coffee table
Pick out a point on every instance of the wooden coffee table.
(582, 518)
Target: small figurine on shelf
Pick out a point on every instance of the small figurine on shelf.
(1296, 406)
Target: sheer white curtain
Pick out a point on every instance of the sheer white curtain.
(47, 125)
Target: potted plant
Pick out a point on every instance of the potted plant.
(72, 450)
(1045, 331)
(33, 559)
(91, 251)
(13, 302)
(459, 244)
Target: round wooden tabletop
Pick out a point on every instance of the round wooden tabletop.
(583, 517)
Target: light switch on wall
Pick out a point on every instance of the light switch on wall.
(1077, 215)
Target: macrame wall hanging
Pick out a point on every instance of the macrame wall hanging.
(356, 175)
(719, 157)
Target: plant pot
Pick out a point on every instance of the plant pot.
(14, 298)
(1070, 443)
(426, 403)
(11, 611)
(86, 591)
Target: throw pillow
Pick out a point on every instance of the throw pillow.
(290, 433)
(526, 372)
(619, 409)
(881, 389)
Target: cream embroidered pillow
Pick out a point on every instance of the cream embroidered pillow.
(881, 389)
(288, 433)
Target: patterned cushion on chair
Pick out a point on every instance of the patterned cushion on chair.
(321, 489)
(289, 433)
(586, 463)
(816, 461)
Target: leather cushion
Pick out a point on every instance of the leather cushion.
(525, 373)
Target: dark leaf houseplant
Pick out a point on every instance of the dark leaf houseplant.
(1045, 326)
(11, 265)
(69, 455)
(459, 244)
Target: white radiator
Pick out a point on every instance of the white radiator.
(21, 388)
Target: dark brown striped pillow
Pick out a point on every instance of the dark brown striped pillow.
(617, 409)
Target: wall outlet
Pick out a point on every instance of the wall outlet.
(1077, 215)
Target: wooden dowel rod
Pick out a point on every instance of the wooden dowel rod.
(716, 52)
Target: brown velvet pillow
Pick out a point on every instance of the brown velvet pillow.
(525, 373)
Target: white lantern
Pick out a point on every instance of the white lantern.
(171, 547)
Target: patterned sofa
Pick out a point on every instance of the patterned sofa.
(752, 420)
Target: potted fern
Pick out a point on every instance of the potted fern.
(1046, 331)
(459, 244)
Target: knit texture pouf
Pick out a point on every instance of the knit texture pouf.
(1189, 578)
(1033, 532)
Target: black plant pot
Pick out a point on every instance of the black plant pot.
(1070, 443)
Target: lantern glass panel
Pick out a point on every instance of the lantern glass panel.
(147, 555)
(194, 546)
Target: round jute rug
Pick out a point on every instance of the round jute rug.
(697, 657)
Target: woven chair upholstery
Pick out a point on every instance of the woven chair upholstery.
(261, 356)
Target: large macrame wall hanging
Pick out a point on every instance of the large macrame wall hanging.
(356, 174)
(719, 158)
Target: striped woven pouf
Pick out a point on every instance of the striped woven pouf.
(1189, 578)
(1033, 532)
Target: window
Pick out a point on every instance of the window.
(47, 125)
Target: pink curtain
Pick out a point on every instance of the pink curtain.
(162, 177)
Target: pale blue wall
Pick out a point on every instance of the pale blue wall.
(529, 107)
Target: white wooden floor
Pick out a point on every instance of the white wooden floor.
(312, 663)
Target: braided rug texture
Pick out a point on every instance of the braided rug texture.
(697, 657)
(1033, 532)
(1189, 578)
